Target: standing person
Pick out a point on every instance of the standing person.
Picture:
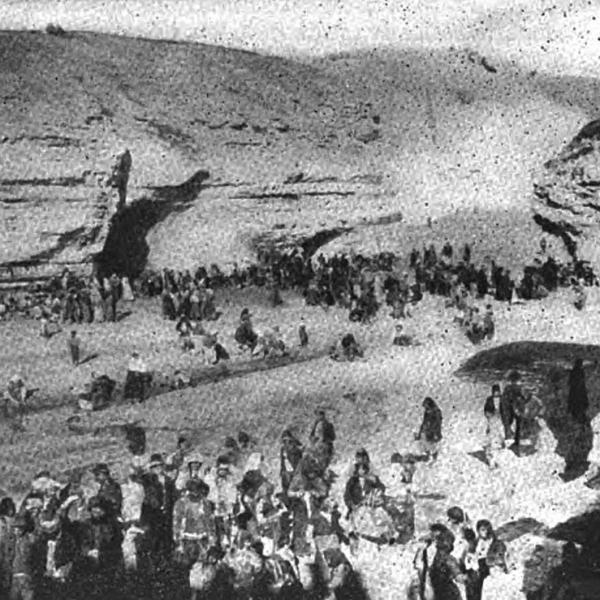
(137, 378)
(507, 403)
(580, 294)
(7, 544)
(161, 526)
(430, 432)
(302, 334)
(323, 434)
(127, 291)
(109, 493)
(457, 524)
(223, 494)
(23, 567)
(494, 433)
(115, 295)
(487, 550)
(101, 547)
(194, 530)
(16, 402)
(74, 344)
(447, 580)
(578, 402)
(290, 455)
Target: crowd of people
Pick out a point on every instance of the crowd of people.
(361, 284)
(178, 526)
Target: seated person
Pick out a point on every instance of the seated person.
(347, 349)
(401, 339)
(361, 487)
(245, 335)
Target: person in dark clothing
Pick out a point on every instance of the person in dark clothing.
(512, 404)
(323, 430)
(578, 402)
(245, 335)
(447, 251)
(322, 437)
(290, 456)
(168, 306)
(159, 511)
(430, 432)
(303, 335)
(101, 547)
(445, 571)
(115, 295)
(507, 403)
(74, 344)
(467, 254)
(23, 567)
(359, 488)
(109, 493)
(482, 283)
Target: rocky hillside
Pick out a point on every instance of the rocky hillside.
(345, 147)
(567, 194)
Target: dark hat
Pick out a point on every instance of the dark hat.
(197, 487)
(456, 514)
(514, 375)
(156, 460)
(101, 468)
(396, 458)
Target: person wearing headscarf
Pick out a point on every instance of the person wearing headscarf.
(430, 432)
(490, 551)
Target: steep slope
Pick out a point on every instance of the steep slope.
(346, 144)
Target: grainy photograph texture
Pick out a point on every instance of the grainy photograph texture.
(299, 300)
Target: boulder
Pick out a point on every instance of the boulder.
(566, 200)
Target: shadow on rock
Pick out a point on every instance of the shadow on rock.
(126, 250)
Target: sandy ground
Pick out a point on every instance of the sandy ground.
(374, 403)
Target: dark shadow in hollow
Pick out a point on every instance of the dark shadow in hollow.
(545, 366)
(126, 250)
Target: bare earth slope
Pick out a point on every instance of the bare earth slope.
(378, 138)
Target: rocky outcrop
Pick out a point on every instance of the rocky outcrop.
(567, 195)
(56, 223)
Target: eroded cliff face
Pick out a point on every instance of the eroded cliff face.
(567, 195)
(54, 223)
